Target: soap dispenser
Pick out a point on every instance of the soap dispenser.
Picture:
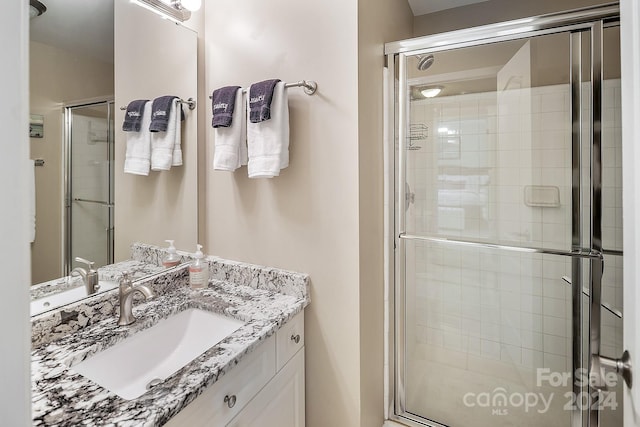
(171, 259)
(199, 270)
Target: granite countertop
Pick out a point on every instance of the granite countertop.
(263, 298)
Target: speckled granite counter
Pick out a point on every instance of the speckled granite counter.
(138, 268)
(264, 298)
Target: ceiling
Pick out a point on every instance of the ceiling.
(422, 7)
(84, 27)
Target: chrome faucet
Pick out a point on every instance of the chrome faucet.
(90, 277)
(126, 298)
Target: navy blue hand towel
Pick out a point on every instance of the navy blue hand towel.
(260, 95)
(160, 110)
(223, 102)
(133, 115)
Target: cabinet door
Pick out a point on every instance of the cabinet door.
(242, 383)
(280, 403)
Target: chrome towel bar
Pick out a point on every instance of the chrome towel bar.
(310, 87)
(190, 102)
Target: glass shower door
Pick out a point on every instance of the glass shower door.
(90, 184)
(497, 218)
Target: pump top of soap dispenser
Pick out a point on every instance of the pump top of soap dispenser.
(198, 253)
(171, 259)
(198, 270)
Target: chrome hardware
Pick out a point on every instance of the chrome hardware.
(127, 289)
(89, 277)
(605, 305)
(230, 400)
(191, 103)
(601, 365)
(97, 202)
(309, 86)
(295, 338)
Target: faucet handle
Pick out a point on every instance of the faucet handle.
(125, 280)
(85, 261)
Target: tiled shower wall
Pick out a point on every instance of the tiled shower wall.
(497, 168)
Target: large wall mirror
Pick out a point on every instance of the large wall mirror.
(87, 60)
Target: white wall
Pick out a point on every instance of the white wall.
(379, 21)
(630, 98)
(323, 214)
(15, 402)
(307, 218)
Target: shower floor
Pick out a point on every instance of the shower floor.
(458, 389)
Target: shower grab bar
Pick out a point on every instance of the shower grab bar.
(97, 202)
(612, 252)
(578, 253)
(190, 102)
(310, 87)
(606, 305)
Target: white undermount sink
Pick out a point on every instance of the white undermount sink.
(145, 359)
(59, 299)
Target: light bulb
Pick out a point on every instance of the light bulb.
(191, 5)
(431, 92)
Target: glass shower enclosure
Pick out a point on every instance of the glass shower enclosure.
(89, 201)
(507, 172)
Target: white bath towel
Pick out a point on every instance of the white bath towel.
(177, 147)
(138, 155)
(231, 142)
(166, 145)
(32, 200)
(268, 141)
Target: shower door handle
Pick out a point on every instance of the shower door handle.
(601, 365)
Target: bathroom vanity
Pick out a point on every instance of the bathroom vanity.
(266, 389)
(252, 376)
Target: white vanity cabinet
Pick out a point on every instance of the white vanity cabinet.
(265, 389)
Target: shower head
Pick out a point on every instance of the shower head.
(425, 62)
(36, 8)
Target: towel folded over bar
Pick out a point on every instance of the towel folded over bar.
(160, 111)
(268, 141)
(133, 115)
(223, 103)
(260, 96)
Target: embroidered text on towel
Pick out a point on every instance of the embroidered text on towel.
(223, 104)
(260, 96)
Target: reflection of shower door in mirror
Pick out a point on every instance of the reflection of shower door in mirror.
(516, 201)
(89, 169)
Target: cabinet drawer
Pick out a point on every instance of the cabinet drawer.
(290, 339)
(239, 385)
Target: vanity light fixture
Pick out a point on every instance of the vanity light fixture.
(431, 91)
(175, 10)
